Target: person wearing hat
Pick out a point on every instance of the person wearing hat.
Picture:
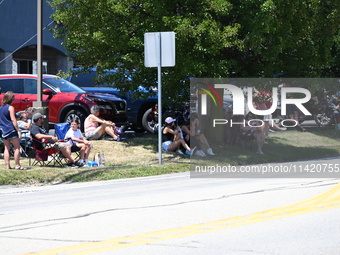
(10, 130)
(172, 140)
(38, 132)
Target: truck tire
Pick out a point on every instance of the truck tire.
(322, 120)
(149, 124)
(76, 114)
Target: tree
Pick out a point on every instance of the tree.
(214, 38)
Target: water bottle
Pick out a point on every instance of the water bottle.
(92, 163)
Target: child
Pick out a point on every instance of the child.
(78, 142)
(24, 122)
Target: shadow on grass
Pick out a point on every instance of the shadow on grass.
(283, 147)
(329, 132)
(275, 150)
(148, 141)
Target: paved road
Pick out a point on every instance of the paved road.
(173, 214)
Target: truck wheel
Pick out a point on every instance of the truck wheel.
(149, 123)
(76, 114)
(322, 119)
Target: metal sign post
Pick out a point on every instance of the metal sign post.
(39, 52)
(160, 100)
(159, 51)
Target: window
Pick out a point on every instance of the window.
(15, 85)
(30, 86)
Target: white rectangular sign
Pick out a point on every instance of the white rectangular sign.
(152, 44)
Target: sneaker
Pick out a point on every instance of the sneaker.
(187, 153)
(120, 139)
(180, 152)
(210, 152)
(200, 153)
(193, 150)
(71, 165)
(119, 131)
(79, 164)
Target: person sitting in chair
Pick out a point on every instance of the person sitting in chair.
(38, 132)
(24, 125)
(78, 142)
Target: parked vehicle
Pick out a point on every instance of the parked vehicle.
(321, 110)
(325, 112)
(64, 99)
(138, 109)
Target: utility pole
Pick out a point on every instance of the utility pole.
(39, 104)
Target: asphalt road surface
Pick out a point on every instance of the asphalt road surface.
(173, 214)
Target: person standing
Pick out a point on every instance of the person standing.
(10, 130)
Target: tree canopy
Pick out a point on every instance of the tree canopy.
(214, 38)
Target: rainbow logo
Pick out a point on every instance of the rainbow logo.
(209, 90)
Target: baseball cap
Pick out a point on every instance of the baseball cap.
(37, 116)
(169, 120)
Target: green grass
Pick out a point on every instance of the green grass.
(284, 146)
(138, 157)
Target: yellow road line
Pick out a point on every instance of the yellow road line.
(327, 200)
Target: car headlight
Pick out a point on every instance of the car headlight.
(102, 103)
(105, 106)
(95, 99)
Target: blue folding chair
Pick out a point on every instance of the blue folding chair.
(60, 131)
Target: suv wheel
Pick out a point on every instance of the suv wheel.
(149, 123)
(76, 114)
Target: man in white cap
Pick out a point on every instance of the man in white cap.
(39, 132)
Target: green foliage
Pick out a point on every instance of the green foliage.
(214, 38)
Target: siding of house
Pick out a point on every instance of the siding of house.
(18, 29)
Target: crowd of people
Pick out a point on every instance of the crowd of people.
(29, 125)
(185, 137)
(182, 135)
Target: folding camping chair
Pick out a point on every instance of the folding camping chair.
(49, 156)
(60, 131)
(25, 143)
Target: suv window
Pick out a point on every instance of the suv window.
(30, 86)
(15, 85)
(87, 80)
(62, 85)
(84, 79)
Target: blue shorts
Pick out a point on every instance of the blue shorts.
(12, 135)
(166, 145)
